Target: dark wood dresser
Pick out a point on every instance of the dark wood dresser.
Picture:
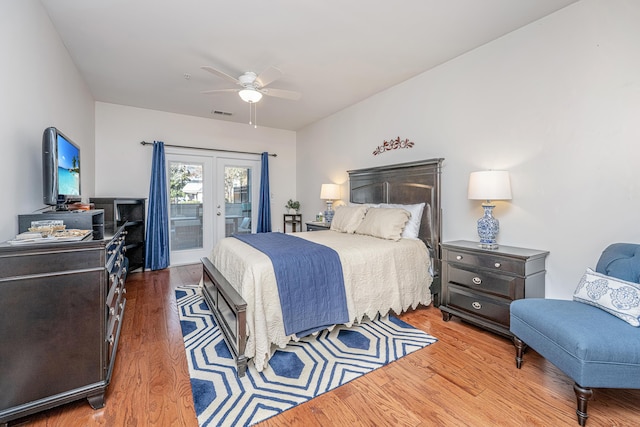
(61, 308)
(478, 285)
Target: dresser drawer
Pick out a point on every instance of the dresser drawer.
(43, 260)
(115, 253)
(484, 281)
(113, 334)
(114, 300)
(479, 304)
(486, 260)
(116, 282)
(115, 317)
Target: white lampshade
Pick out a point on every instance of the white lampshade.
(330, 192)
(489, 185)
(250, 95)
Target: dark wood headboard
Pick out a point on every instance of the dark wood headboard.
(406, 183)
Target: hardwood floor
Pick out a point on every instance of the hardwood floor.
(467, 378)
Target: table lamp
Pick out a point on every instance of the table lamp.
(488, 186)
(329, 192)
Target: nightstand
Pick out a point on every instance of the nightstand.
(294, 219)
(478, 285)
(317, 226)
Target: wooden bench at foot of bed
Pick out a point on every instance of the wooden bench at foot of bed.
(230, 311)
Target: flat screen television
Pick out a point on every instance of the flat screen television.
(60, 169)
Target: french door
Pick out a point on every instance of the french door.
(237, 205)
(190, 200)
(210, 197)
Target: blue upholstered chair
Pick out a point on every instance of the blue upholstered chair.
(594, 348)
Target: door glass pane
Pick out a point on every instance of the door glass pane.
(237, 198)
(185, 210)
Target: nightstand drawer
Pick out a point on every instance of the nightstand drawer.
(479, 304)
(483, 281)
(487, 260)
(318, 226)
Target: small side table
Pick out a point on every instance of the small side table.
(294, 219)
(478, 285)
(318, 226)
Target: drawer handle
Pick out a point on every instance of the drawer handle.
(476, 305)
(476, 280)
(459, 257)
(497, 265)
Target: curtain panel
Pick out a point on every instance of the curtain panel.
(157, 235)
(264, 207)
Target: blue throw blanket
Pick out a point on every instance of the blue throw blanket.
(309, 278)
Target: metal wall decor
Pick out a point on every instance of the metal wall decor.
(394, 144)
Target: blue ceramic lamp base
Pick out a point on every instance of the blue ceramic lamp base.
(488, 228)
(328, 214)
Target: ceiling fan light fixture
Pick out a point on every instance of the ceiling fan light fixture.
(250, 95)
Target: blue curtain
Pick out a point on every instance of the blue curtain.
(157, 238)
(264, 207)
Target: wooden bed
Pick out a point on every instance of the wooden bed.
(406, 183)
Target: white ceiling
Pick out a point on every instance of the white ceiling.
(336, 52)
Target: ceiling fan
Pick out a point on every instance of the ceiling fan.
(253, 86)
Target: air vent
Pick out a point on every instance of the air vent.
(221, 113)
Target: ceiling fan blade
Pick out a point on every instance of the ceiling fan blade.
(269, 75)
(214, 91)
(282, 93)
(220, 74)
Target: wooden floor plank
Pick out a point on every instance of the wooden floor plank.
(467, 378)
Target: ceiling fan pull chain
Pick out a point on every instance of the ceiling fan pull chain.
(249, 113)
(255, 116)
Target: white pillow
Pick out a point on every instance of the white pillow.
(615, 296)
(369, 205)
(412, 229)
(347, 218)
(385, 223)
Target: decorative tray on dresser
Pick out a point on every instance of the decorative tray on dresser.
(478, 285)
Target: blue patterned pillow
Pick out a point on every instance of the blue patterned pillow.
(615, 296)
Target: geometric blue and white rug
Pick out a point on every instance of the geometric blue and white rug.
(296, 374)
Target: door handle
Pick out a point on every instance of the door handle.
(219, 213)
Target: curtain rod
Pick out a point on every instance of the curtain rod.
(208, 149)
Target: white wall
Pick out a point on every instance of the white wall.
(39, 87)
(123, 166)
(556, 103)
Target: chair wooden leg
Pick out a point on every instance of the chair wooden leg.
(583, 395)
(520, 348)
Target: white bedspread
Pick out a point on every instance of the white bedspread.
(379, 275)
